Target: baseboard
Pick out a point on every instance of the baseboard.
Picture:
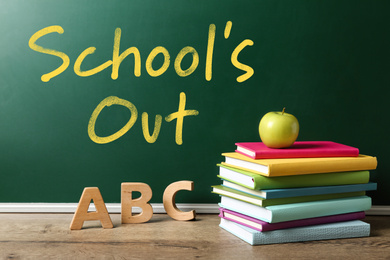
(116, 208)
(111, 207)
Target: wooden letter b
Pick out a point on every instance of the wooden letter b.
(127, 202)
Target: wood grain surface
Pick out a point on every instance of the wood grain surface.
(47, 236)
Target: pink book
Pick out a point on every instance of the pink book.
(263, 226)
(300, 149)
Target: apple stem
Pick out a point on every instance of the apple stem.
(283, 110)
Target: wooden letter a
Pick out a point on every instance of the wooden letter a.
(82, 213)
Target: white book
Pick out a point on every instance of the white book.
(347, 229)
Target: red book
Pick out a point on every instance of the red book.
(300, 149)
(263, 226)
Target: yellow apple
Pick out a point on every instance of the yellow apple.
(278, 129)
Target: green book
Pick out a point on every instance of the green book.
(259, 182)
(259, 201)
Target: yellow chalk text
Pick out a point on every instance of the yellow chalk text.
(118, 57)
(112, 100)
(63, 56)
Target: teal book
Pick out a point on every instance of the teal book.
(298, 192)
(347, 229)
(294, 211)
(259, 182)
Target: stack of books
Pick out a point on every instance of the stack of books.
(310, 191)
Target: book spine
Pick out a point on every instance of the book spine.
(309, 198)
(298, 154)
(349, 229)
(354, 164)
(309, 191)
(315, 180)
(304, 210)
(264, 226)
(261, 182)
(314, 221)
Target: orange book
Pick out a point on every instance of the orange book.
(299, 166)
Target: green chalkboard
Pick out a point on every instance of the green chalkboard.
(83, 85)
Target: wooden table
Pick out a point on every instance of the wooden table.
(40, 236)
